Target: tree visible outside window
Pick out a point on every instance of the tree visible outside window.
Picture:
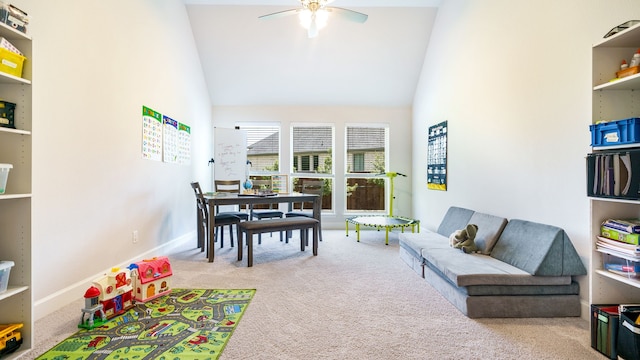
(312, 158)
(366, 154)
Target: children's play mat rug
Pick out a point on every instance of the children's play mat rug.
(186, 324)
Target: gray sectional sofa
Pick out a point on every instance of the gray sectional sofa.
(523, 269)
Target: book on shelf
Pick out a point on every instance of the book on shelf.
(621, 247)
(631, 226)
(620, 235)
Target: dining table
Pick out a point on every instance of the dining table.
(219, 199)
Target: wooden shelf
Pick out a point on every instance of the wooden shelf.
(15, 131)
(631, 82)
(13, 290)
(14, 196)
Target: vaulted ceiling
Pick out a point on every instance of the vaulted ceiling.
(248, 61)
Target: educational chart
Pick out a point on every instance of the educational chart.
(151, 134)
(165, 139)
(184, 144)
(170, 140)
(437, 157)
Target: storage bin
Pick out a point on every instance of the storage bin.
(4, 175)
(623, 267)
(614, 174)
(11, 63)
(604, 329)
(7, 114)
(628, 344)
(620, 132)
(14, 17)
(5, 270)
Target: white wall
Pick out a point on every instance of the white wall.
(398, 119)
(513, 79)
(95, 64)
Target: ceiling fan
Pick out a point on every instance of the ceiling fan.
(314, 14)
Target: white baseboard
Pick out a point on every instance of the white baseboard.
(49, 304)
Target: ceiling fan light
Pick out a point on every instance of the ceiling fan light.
(305, 18)
(321, 18)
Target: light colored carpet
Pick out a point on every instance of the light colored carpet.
(353, 301)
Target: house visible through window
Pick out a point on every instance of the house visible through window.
(358, 162)
(263, 147)
(366, 155)
(312, 158)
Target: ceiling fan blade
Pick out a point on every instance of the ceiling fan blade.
(349, 14)
(279, 14)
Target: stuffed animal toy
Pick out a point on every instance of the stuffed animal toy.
(465, 239)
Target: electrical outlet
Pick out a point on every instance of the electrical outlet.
(134, 237)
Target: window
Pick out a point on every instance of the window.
(358, 162)
(312, 158)
(366, 158)
(263, 147)
(305, 163)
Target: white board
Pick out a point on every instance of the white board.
(230, 154)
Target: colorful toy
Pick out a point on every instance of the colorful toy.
(10, 339)
(115, 291)
(110, 295)
(151, 278)
(92, 306)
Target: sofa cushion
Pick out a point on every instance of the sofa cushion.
(489, 229)
(476, 269)
(538, 249)
(504, 290)
(456, 218)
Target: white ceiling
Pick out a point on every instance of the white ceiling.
(247, 61)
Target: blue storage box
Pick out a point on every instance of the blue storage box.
(620, 132)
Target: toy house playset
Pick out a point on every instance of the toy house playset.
(151, 278)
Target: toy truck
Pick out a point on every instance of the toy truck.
(10, 339)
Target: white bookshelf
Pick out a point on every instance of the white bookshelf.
(613, 100)
(16, 304)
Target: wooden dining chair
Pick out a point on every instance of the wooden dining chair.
(308, 187)
(203, 221)
(270, 213)
(233, 187)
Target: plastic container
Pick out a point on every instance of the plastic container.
(635, 60)
(11, 63)
(5, 270)
(4, 175)
(624, 65)
(623, 267)
(14, 17)
(620, 132)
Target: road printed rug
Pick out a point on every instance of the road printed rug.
(185, 324)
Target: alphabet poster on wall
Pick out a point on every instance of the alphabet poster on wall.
(151, 134)
(165, 139)
(170, 140)
(184, 144)
(437, 157)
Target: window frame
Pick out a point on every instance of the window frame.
(365, 175)
(248, 126)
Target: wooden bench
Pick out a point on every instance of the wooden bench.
(249, 228)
